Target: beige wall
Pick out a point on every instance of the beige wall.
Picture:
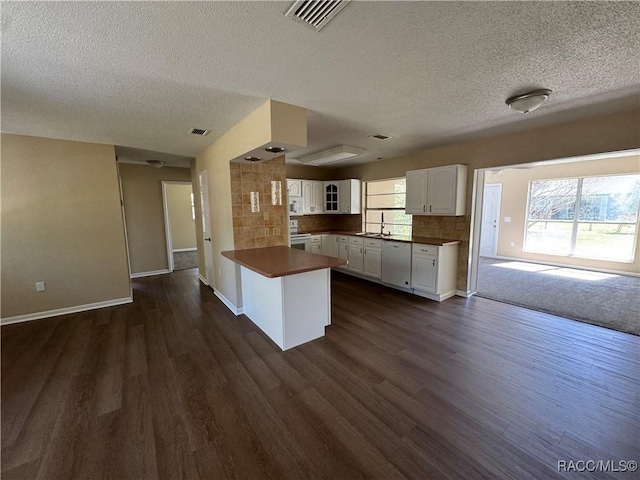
(61, 224)
(307, 172)
(602, 134)
(253, 132)
(144, 213)
(515, 187)
(181, 220)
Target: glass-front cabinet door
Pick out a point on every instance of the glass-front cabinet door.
(331, 197)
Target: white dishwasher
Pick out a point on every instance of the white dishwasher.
(396, 264)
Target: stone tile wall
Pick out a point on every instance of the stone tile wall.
(310, 223)
(269, 226)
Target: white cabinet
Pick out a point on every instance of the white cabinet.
(356, 254)
(349, 196)
(331, 195)
(396, 263)
(433, 270)
(316, 244)
(343, 250)
(342, 196)
(437, 191)
(330, 245)
(294, 187)
(311, 197)
(372, 262)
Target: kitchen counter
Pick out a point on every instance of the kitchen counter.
(286, 292)
(273, 262)
(395, 238)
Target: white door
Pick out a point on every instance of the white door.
(206, 227)
(490, 215)
(424, 273)
(441, 191)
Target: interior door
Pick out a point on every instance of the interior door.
(490, 215)
(206, 227)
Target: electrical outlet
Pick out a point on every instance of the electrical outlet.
(512, 244)
(266, 232)
(40, 287)
(276, 231)
(507, 219)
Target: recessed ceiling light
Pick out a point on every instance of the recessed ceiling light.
(252, 159)
(528, 102)
(274, 149)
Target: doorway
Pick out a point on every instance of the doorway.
(179, 220)
(203, 185)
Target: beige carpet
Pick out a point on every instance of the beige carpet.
(608, 300)
(184, 260)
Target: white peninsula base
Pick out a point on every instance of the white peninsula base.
(292, 309)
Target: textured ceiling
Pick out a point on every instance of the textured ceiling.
(141, 74)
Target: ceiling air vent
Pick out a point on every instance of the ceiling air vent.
(379, 136)
(199, 131)
(315, 13)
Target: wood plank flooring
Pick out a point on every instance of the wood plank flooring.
(175, 386)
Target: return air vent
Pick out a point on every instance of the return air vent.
(315, 13)
(379, 136)
(199, 131)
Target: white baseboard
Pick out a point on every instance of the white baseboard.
(462, 293)
(149, 274)
(184, 250)
(202, 279)
(236, 311)
(65, 311)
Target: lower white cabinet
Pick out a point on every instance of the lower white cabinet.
(316, 244)
(433, 270)
(372, 262)
(330, 245)
(356, 254)
(343, 250)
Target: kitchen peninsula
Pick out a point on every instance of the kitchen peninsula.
(286, 292)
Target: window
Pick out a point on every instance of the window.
(385, 199)
(589, 217)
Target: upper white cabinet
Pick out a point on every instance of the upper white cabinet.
(294, 187)
(312, 191)
(437, 191)
(349, 196)
(331, 195)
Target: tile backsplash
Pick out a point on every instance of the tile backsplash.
(347, 223)
(268, 226)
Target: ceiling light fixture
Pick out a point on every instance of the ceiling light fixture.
(274, 149)
(528, 102)
(156, 163)
(332, 155)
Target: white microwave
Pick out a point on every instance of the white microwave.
(295, 206)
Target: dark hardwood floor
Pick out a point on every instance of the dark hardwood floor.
(175, 386)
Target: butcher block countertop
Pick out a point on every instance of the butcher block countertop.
(273, 262)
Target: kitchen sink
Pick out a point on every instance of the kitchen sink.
(372, 235)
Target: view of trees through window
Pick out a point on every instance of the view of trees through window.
(385, 200)
(590, 217)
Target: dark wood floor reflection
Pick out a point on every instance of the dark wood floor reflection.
(175, 386)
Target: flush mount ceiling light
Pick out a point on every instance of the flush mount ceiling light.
(274, 149)
(528, 102)
(332, 155)
(156, 163)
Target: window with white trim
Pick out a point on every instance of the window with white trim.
(587, 217)
(385, 203)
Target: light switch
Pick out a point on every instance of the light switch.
(507, 219)
(266, 232)
(40, 287)
(512, 244)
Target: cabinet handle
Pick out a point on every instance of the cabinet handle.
(434, 262)
(360, 250)
(424, 208)
(429, 208)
